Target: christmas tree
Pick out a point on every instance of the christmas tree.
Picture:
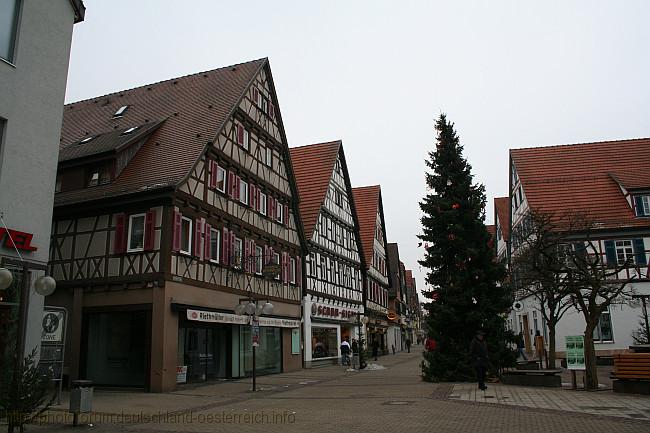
(462, 271)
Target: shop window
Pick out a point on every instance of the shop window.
(136, 233)
(324, 342)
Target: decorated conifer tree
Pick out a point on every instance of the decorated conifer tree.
(462, 272)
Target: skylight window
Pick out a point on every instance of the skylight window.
(87, 139)
(130, 130)
(120, 111)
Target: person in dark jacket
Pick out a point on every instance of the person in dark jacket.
(478, 352)
(375, 349)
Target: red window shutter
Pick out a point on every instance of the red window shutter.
(285, 214)
(149, 230)
(251, 194)
(285, 267)
(213, 174)
(231, 184)
(119, 240)
(231, 247)
(299, 271)
(176, 239)
(225, 241)
(271, 210)
(235, 192)
(247, 254)
(208, 238)
(240, 134)
(198, 238)
(256, 95)
(258, 199)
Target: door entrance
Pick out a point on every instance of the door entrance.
(204, 351)
(524, 318)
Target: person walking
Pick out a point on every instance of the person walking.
(479, 353)
(345, 352)
(355, 353)
(375, 349)
(408, 345)
(521, 346)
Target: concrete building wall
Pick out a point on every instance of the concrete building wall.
(32, 90)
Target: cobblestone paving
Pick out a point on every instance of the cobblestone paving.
(596, 403)
(332, 399)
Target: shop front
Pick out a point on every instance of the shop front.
(215, 345)
(326, 324)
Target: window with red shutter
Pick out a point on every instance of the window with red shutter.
(285, 214)
(231, 184)
(119, 238)
(176, 238)
(225, 251)
(198, 237)
(213, 174)
(299, 271)
(207, 236)
(149, 230)
(240, 134)
(231, 248)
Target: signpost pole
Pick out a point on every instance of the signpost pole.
(254, 368)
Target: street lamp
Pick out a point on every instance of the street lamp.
(360, 321)
(6, 278)
(254, 310)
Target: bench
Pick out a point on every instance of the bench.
(632, 373)
(549, 377)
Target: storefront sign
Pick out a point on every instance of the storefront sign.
(53, 325)
(181, 373)
(215, 317)
(575, 352)
(318, 310)
(21, 240)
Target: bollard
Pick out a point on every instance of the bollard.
(81, 399)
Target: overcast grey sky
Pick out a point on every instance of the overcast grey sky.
(376, 73)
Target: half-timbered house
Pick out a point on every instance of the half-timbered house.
(173, 201)
(372, 227)
(604, 189)
(333, 291)
(397, 307)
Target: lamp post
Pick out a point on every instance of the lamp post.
(360, 321)
(254, 310)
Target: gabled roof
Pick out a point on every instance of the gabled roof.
(367, 201)
(580, 178)
(502, 210)
(195, 108)
(313, 166)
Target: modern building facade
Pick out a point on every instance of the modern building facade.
(372, 226)
(176, 207)
(35, 42)
(334, 267)
(605, 183)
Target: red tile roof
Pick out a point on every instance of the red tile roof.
(580, 177)
(195, 108)
(313, 166)
(367, 200)
(502, 209)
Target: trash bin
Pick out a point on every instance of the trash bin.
(81, 398)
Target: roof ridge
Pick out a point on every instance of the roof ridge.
(339, 141)
(164, 81)
(580, 144)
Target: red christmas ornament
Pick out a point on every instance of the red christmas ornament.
(455, 206)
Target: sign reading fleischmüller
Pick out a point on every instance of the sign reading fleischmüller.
(53, 324)
(216, 317)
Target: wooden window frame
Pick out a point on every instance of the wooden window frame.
(128, 239)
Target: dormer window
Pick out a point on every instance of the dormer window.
(130, 130)
(98, 176)
(93, 179)
(120, 111)
(642, 205)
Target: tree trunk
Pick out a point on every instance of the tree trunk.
(591, 371)
(551, 345)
